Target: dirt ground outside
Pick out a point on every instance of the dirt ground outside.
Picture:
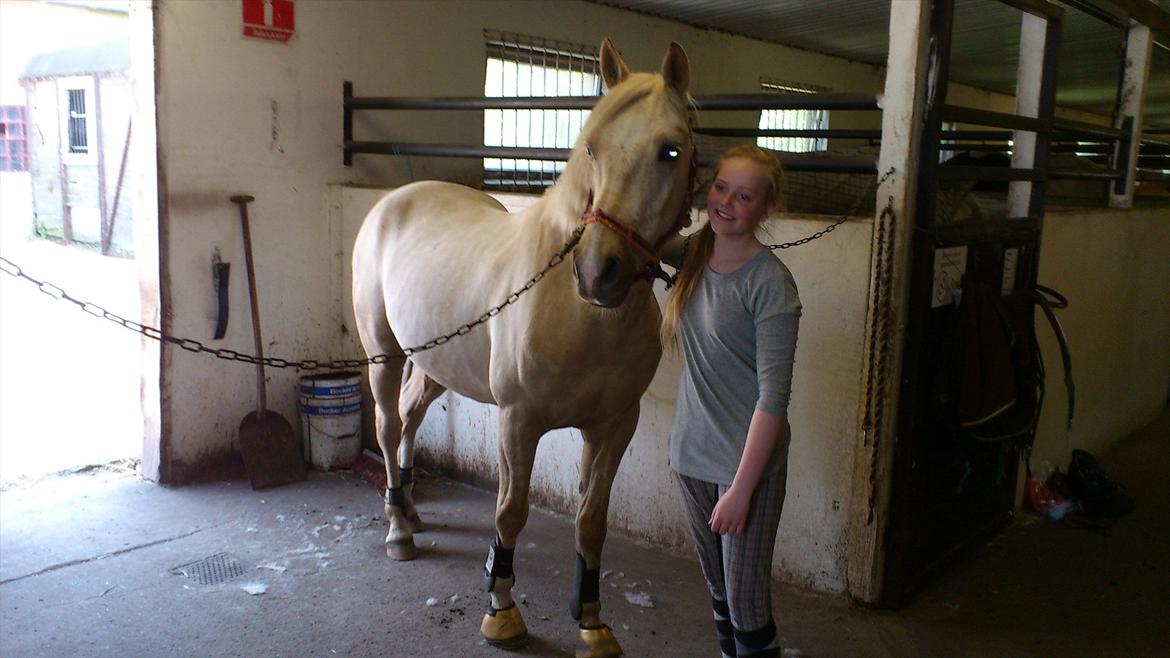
(69, 382)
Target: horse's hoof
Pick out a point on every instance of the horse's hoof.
(401, 549)
(504, 628)
(415, 523)
(597, 643)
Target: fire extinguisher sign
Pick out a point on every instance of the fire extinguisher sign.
(271, 20)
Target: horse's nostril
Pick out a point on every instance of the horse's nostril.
(610, 270)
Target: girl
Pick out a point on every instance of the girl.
(735, 310)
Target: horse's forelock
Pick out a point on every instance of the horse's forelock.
(634, 89)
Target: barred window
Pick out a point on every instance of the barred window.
(523, 66)
(793, 120)
(77, 121)
(13, 138)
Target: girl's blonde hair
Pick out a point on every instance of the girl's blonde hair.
(701, 244)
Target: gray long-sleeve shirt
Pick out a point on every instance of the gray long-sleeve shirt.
(738, 335)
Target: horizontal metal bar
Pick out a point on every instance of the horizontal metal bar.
(826, 164)
(990, 148)
(795, 101)
(1105, 174)
(470, 103)
(790, 161)
(994, 119)
(977, 135)
(789, 132)
(455, 151)
(1144, 175)
(1082, 128)
(959, 172)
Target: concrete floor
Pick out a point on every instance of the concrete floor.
(86, 570)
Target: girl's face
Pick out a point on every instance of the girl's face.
(738, 199)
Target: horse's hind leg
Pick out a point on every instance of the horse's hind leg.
(503, 626)
(385, 382)
(601, 455)
(418, 392)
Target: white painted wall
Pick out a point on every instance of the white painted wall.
(1112, 266)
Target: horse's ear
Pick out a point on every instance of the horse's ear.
(613, 69)
(676, 69)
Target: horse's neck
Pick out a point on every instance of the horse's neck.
(558, 212)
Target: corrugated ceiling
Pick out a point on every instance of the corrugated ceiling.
(985, 42)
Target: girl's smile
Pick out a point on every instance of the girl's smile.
(737, 200)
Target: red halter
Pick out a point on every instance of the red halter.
(639, 243)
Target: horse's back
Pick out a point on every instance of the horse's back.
(440, 205)
(419, 271)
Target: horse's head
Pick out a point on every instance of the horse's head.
(634, 160)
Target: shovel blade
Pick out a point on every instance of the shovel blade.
(270, 451)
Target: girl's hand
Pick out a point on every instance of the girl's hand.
(731, 512)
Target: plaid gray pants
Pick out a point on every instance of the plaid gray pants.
(738, 568)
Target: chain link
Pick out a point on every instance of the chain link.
(831, 227)
(192, 345)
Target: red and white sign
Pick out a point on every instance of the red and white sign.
(268, 19)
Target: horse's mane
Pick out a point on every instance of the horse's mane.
(567, 199)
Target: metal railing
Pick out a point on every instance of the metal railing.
(763, 101)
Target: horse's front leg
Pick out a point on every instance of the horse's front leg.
(503, 626)
(601, 455)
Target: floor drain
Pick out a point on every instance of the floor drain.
(211, 570)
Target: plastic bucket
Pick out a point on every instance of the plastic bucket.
(331, 419)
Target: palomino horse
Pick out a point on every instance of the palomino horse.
(576, 350)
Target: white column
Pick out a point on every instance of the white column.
(1033, 33)
(1132, 101)
(903, 106)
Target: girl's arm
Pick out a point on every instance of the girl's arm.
(731, 512)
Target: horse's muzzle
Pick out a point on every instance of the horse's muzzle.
(602, 279)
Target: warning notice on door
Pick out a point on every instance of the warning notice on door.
(271, 20)
(949, 266)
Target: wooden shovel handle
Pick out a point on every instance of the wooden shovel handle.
(242, 200)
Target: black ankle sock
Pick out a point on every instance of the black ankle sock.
(758, 643)
(723, 628)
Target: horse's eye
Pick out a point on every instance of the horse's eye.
(670, 152)
(588, 150)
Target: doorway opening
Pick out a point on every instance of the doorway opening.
(78, 211)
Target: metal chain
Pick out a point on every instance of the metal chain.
(831, 227)
(192, 345)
